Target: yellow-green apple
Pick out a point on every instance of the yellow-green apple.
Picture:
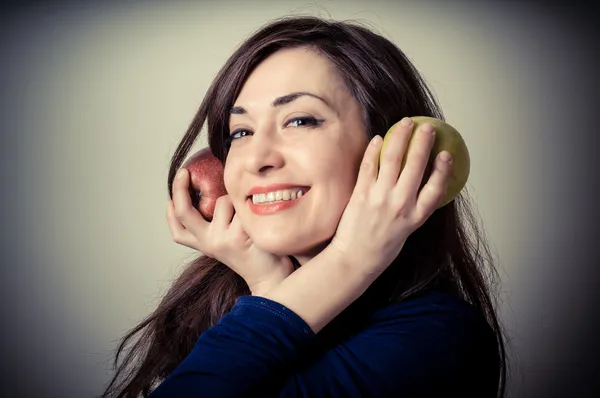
(447, 138)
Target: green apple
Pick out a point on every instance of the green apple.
(446, 138)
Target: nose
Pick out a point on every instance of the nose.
(263, 154)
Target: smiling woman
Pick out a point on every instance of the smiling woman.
(300, 130)
(324, 272)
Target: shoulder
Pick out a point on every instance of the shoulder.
(430, 308)
(437, 319)
(433, 338)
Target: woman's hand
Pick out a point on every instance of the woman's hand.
(384, 209)
(223, 239)
(387, 205)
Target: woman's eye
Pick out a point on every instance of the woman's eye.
(238, 134)
(303, 121)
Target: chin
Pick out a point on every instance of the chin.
(290, 245)
(278, 247)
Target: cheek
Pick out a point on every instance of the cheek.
(230, 175)
(343, 176)
(338, 181)
(233, 173)
(227, 179)
(344, 167)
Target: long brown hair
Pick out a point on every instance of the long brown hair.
(448, 252)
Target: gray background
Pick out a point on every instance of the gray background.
(96, 95)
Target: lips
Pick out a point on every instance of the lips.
(274, 207)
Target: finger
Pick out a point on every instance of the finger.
(185, 213)
(367, 174)
(394, 153)
(237, 229)
(178, 232)
(434, 190)
(417, 158)
(224, 212)
(236, 224)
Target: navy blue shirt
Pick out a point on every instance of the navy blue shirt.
(431, 345)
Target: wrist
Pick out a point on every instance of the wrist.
(261, 289)
(264, 286)
(364, 264)
(362, 269)
(309, 293)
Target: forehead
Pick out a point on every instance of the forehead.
(292, 70)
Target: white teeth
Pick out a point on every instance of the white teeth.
(284, 194)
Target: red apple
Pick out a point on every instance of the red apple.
(206, 181)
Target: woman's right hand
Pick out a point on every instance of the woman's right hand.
(223, 239)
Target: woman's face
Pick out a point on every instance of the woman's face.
(298, 138)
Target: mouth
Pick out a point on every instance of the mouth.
(279, 196)
(273, 202)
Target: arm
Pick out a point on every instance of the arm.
(322, 288)
(260, 340)
(250, 348)
(428, 344)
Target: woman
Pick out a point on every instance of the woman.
(350, 283)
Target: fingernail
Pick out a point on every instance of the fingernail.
(427, 128)
(406, 121)
(179, 174)
(376, 140)
(445, 156)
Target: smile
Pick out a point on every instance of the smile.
(275, 201)
(275, 196)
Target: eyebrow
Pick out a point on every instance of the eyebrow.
(279, 101)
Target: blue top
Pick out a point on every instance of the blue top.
(430, 345)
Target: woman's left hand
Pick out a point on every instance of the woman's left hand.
(387, 205)
(384, 209)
